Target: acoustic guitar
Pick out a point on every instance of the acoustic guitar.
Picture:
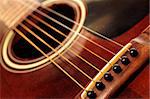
(47, 52)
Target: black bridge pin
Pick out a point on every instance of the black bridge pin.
(133, 52)
(91, 94)
(125, 60)
(108, 76)
(100, 85)
(117, 69)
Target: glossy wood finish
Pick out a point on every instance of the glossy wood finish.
(50, 82)
(142, 46)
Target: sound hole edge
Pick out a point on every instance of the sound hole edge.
(22, 50)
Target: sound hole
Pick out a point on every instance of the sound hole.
(23, 50)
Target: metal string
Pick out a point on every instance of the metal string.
(34, 45)
(84, 48)
(45, 23)
(86, 28)
(56, 64)
(70, 20)
(58, 31)
(47, 34)
(60, 54)
(61, 44)
(63, 25)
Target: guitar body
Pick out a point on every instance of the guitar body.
(50, 82)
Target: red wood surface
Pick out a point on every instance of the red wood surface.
(50, 82)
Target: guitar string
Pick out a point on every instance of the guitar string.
(63, 57)
(30, 31)
(68, 61)
(102, 47)
(53, 49)
(68, 28)
(44, 54)
(47, 34)
(93, 54)
(83, 58)
(35, 35)
(84, 73)
(21, 34)
(58, 31)
(97, 44)
(86, 28)
(63, 25)
(61, 68)
(70, 20)
(71, 50)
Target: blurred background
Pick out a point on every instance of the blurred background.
(114, 17)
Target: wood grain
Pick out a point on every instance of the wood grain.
(50, 82)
